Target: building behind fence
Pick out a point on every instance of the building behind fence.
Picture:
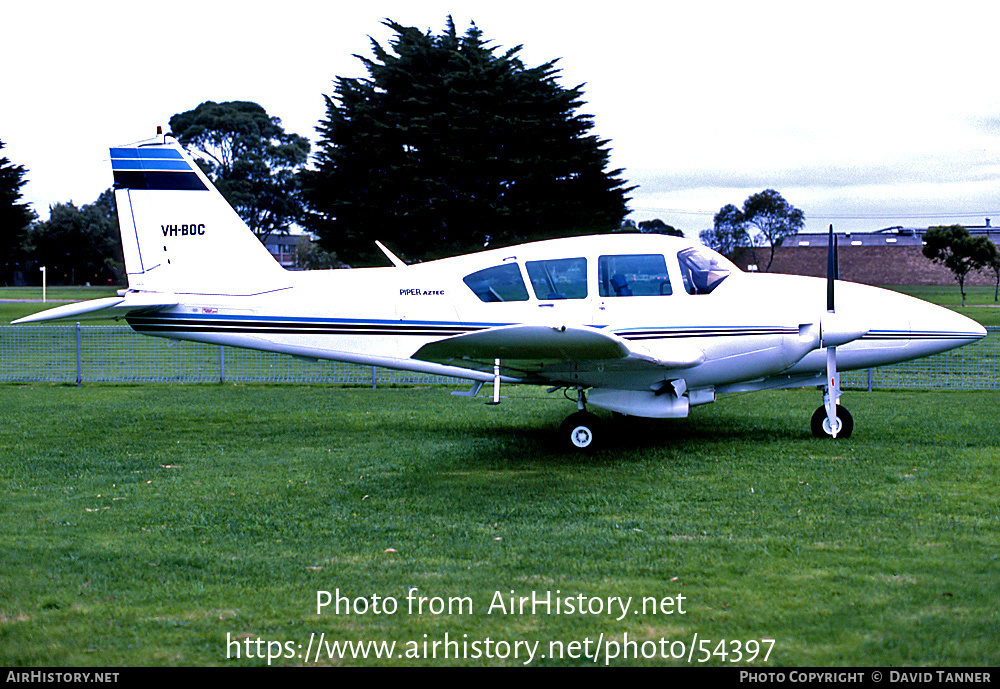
(116, 354)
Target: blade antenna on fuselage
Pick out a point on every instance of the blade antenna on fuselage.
(396, 261)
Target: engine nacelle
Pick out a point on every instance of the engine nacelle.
(640, 403)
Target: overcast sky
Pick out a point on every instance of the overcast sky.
(862, 114)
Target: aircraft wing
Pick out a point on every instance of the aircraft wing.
(543, 351)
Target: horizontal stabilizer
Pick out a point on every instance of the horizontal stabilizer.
(71, 310)
(75, 310)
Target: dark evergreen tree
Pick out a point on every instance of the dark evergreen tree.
(79, 245)
(251, 160)
(15, 218)
(449, 146)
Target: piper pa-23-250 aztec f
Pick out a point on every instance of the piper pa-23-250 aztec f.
(641, 325)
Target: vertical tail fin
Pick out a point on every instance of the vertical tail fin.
(179, 234)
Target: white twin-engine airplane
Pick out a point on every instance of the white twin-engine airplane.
(641, 325)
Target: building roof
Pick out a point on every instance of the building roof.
(889, 236)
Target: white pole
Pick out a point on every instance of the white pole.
(496, 381)
(43, 283)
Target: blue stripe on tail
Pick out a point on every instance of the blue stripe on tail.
(153, 168)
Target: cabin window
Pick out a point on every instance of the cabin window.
(702, 269)
(561, 278)
(499, 283)
(633, 275)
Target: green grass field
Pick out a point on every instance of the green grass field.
(152, 524)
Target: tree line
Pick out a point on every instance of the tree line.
(766, 220)
(448, 145)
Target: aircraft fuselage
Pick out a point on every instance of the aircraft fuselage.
(750, 327)
(645, 325)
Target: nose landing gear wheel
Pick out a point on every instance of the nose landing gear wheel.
(821, 424)
(581, 430)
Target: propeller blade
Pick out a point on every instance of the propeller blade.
(836, 257)
(832, 396)
(832, 269)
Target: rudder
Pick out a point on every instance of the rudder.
(179, 235)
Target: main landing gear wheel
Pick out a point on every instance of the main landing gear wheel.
(821, 423)
(581, 430)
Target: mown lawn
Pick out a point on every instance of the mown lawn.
(161, 524)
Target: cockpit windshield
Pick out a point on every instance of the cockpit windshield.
(703, 269)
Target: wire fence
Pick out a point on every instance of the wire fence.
(116, 354)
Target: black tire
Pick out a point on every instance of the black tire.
(819, 423)
(581, 431)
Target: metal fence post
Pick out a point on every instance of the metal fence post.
(222, 364)
(79, 362)
(869, 380)
(374, 377)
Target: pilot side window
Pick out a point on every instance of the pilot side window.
(633, 275)
(499, 283)
(561, 278)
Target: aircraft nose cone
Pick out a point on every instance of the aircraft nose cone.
(941, 328)
(926, 317)
(904, 327)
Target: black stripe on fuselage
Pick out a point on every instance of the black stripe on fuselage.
(705, 332)
(173, 324)
(919, 335)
